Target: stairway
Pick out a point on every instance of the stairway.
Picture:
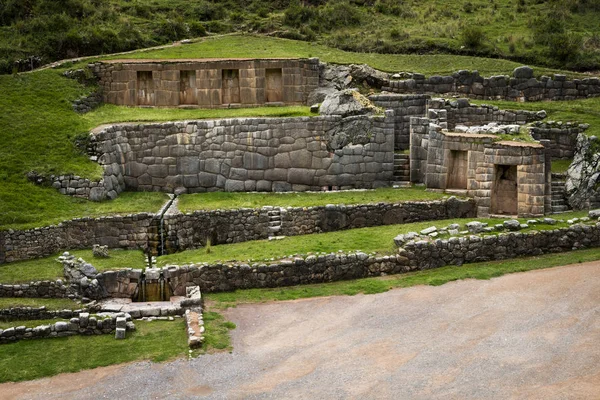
(274, 220)
(559, 200)
(401, 169)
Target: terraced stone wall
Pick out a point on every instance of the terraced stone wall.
(521, 86)
(249, 154)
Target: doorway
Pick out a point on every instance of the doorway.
(231, 86)
(145, 88)
(274, 85)
(504, 191)
(457, 170)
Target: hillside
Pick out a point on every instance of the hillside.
(550, 33)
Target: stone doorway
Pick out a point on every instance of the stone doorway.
(145, 88)
(274, 85)
(231, 86)
(504, 192)
(457, 170)
(187, 87)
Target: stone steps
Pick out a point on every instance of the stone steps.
(401, 168)
(559, 200)
(274, 221)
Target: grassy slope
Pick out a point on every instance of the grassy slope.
(228, 200)
(250, 46)
(374, 239)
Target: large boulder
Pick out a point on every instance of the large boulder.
(319, 94)
(523, 72)
(363, 74)
(583, 175)
(346, 103)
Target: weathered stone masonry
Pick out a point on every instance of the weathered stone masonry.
(207, 83)
(188, 231)
(522, 86)
(247, 154)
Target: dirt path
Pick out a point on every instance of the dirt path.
(529, 335)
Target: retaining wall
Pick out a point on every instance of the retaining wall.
(522, 86)
(562, 137)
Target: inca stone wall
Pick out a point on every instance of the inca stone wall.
(404, 107)
(522, 86)
(207, 83)
(414, 256)
(33, 313)
(43, 289)
(462, 112)
(419, 143)
(248, 154)
(189, 231)
(562, 137)
(128, 232)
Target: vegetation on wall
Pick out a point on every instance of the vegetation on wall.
(544, 32)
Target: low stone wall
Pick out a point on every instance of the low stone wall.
(469, 249)
(87, 103)
(84, 324)
(33, 313)
(76, 186)
(522, 86)
(562, 137)
(43, 289)
(461, 112)
(303, 221)
(127, 232)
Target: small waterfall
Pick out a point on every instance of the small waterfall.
(153, 286)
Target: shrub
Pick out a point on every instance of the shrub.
(472, 36)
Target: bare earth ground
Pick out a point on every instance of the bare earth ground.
(527, 335)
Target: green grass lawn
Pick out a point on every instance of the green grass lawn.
(48, 268)
(156, 341)
(560, 166)
(435, 277)
(229, 200)
(50, 304)
(374, 239)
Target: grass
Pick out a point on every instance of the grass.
(254, 46)
(229, 200)
(560, 166)
(435, 277)
(374, 239)
(216, 336)
(155, 341)
(48, 268)
(50, 304)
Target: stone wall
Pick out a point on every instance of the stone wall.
(302, 221)
(562, 137)
(404, 107)
(414, 256)
(469, 249)
(462, 112)
(207, 83)
(84, 324)
(76, 186)
(127, 232)
(43, 289)
(248, 154)
(87, 103)
(188, 231)
(33, 313)
(419, 143)
(522, 86)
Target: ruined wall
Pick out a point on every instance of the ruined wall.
(128, 232)
(405, 107)
(207, 83)
(562, 137)
(522, 86)
(419, 143)
(250, 154)
(462, 112)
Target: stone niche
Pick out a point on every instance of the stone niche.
(207, 83)
(504, 177)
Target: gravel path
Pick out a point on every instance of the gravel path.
(529, 335)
